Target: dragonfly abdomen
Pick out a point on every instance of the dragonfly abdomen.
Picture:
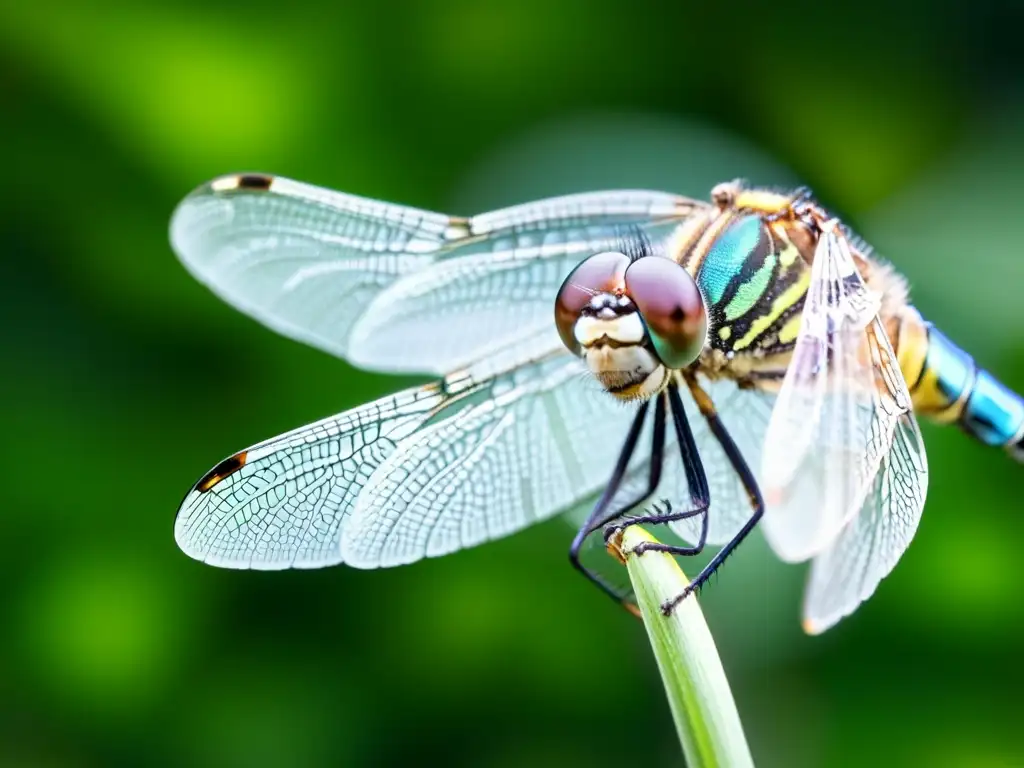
(948, 386)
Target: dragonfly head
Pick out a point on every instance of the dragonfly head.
(632, 319)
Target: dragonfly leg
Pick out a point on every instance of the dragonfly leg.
(696, 480)
(707, 408)
(668, 516)
(600, 515)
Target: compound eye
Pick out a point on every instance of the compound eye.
(600, 273)
(672, 309)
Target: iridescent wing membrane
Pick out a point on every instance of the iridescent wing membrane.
(844, 470)
(513, 433)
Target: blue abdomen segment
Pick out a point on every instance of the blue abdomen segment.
(952, 388)
(994, 414)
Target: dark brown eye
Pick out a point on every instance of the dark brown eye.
(600, 273)
(672, 308)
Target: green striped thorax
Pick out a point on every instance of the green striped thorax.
(754, 279)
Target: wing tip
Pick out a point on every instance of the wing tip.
(204, 555)
(814, 627)
(204, 485)
(181, 537)
(249, 561)
(220, 186)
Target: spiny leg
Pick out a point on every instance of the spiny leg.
(600, 514)
(669, 516)
(654, 476)
(696, 481)
(749, 484)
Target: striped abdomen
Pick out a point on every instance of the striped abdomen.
(948, 386)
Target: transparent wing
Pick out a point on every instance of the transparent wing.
(395, 288)
(745, 414)
(869, 546)
(488, 450)
(836, 419)
(302, 260)
(507, 452)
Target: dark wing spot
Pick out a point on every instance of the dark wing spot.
(227, 467)
(254, 181)
(257, 182)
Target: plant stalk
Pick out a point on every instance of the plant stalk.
(698, 692)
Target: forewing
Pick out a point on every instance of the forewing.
(302, 260)
(838, 411)
(869, 546)
(391, 287)
(488, 450)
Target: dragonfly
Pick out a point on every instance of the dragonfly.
(743, 360)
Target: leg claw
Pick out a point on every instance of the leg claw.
(640, 548)
(670, 605)
(611, 530)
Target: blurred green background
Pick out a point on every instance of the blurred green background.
(124, 380)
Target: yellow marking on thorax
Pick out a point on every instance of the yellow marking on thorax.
(782, 302)
(759, 372)
(693, 261)
(684, 238)
(791, 329)
(788, 255)
(763, 201)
